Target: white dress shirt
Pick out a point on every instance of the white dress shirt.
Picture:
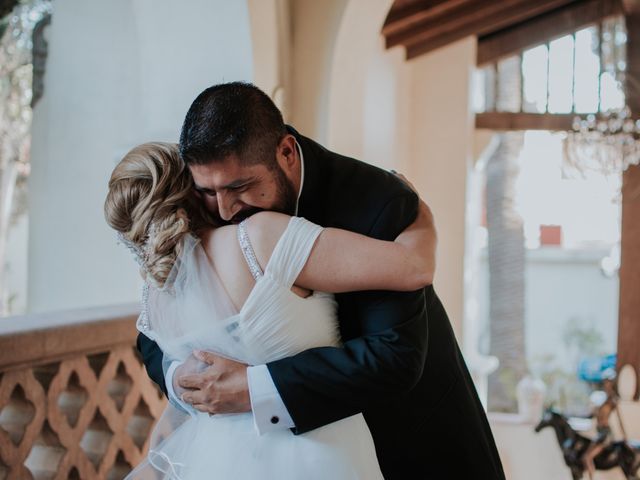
(269, 411)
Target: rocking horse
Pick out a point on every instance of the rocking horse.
(623, 454)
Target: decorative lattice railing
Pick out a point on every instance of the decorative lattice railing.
(75, 401)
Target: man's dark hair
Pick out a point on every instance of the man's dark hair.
(232, 118)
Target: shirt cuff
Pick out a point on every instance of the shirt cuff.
(171, 394)
(269, 411)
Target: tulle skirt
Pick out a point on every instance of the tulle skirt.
(228, 447)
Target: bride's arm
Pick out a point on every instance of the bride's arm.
(343, 261)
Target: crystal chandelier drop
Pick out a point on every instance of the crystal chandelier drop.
(608, 143)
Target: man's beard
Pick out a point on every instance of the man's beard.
(286, 198)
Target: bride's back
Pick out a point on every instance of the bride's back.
(213, 303)
(223, 249)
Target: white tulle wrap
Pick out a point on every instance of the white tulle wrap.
(190, 312)
(193, 309)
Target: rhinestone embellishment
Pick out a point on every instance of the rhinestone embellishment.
(143, 319)
(247, 251)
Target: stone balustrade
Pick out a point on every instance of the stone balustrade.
(75, 400)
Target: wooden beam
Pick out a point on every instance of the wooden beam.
(524, 121)
(546, 27)
(631, 6)
(413, 51)
(632, 80)
(452, 19)
(405, 17)
(474, 18)
(499, 17)
(629, 303)
(401, 11)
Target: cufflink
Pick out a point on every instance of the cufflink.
(275, 419)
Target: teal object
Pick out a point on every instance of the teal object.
(594, 369)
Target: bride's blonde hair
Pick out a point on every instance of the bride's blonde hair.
(151, 202)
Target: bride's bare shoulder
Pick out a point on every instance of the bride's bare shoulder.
(264, 230)
(267, 220)
(218, 237)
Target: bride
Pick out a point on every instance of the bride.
(254, 292)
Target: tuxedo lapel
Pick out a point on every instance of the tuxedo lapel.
(312, 199)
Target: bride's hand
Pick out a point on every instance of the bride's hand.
(189, 367)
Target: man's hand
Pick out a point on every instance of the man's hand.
(222, 386)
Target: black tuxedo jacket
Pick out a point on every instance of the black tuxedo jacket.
(400, 364)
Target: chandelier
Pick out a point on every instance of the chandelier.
(607, 143)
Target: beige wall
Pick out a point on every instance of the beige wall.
(442, 130)
(314, 26)
(272, 46)
(369, 90)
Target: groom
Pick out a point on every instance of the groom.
(400, 364)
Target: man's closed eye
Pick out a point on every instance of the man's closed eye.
(208, 193)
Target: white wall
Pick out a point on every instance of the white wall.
(561, 285)
(118, 73)
(17, 265)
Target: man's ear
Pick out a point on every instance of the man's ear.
(287, 153)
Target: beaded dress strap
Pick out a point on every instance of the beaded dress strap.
(247, 251)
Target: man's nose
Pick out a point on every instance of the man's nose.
(227, 206)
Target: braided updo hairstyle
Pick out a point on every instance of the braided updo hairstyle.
(152, 203)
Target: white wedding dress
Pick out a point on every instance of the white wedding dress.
(195, 312)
